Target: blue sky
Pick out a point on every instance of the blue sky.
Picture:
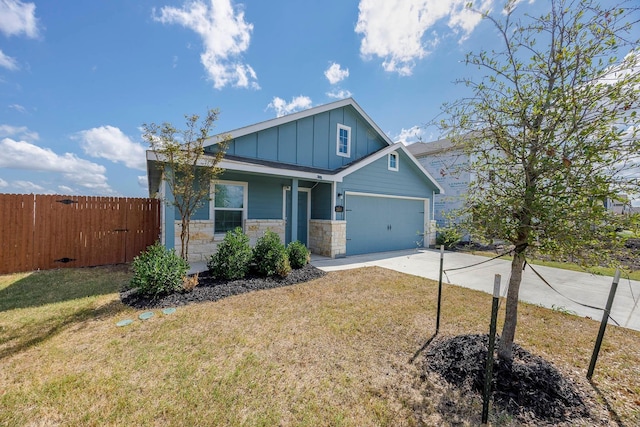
(79, 78)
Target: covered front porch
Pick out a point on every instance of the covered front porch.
(296, 208)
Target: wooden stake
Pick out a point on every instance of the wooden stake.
(488, 372)
(603, 324)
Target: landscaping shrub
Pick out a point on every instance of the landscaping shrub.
(270, 255)
(299, 255)
(233, 258)
(158, 271)
(448, 236)
(190, 282)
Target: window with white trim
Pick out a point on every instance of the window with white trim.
(343, 143)
(393, 161)
(229, 205)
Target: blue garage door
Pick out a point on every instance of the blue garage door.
(377, 224)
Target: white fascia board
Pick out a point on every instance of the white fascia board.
(236, 133)
(367, 161)
(373, 124)
(395, 147)
(232, 165)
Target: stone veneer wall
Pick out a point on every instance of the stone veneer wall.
(203, 243)
(431, 234)
(328, 238)
(255, 228)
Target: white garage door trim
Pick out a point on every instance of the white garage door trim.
(425, 218)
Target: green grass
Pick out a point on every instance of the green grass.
(334, 351)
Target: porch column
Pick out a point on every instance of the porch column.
(169, 217)
(294, 209)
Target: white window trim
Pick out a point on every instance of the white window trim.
(212, 204)
(348, 129)
(394, 154)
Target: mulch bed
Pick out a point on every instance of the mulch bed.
(211, 289)
(531, 389)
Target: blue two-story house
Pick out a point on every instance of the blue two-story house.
(327, 176)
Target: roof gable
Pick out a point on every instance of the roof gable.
(257, 127)
(310, 138)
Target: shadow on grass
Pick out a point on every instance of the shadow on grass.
(612, 412)
(53, 286)
(421, 349)
(32, 334)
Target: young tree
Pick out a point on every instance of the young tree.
(551, 130)
(185, 166)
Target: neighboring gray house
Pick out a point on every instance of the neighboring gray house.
(448, 166)
(327, 176)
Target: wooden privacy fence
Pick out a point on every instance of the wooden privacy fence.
(45, 232)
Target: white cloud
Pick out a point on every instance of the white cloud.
(27, 187)
(339, 94)
(110, 143)
(18, 18)
(398, 30)
(282, 107)
(8, 62)
(336, 74)
(408, 136)
(19, 108)
(143, 181)
(3, 183)
(21, 132)
(27, 156)
(225, 36)
(64, 189)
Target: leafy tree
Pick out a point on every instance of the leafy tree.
(551, 130)
(185, 166)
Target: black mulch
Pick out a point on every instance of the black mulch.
(210, 289)
(530, 387)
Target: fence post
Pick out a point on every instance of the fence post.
(440, 289)
(603, 324)
(488, 372)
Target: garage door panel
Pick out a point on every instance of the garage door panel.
(376, 224)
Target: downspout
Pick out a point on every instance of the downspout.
(294, 210)
(333, 201)
(433, 204)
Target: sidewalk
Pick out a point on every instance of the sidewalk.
(584, 288)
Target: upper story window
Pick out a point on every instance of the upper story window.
(230, 205)
(393, 161)
(344, 141)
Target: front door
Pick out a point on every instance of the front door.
(303, 216)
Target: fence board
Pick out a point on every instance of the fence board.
(16, 232)
(45, 231)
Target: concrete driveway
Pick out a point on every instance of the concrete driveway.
(584, 288)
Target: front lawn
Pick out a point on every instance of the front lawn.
(342, 350)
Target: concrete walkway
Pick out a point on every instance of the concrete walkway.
(584, 288)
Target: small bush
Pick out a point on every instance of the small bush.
(158, 271)
(299, 255)
(190, 282)
(270, 255)
(448, 236)
(284, 267)
(233, 258)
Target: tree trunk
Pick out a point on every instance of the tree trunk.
(505, 349)
(184, 240)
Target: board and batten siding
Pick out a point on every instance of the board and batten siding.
(310, 141)
(407, 181)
